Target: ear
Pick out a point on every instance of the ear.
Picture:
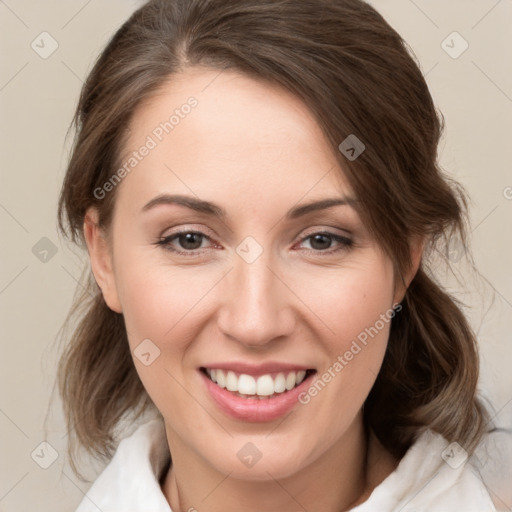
(417, 246)
(100, 256)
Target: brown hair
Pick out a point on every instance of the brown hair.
(357, 76)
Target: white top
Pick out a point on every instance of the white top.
(433, 476)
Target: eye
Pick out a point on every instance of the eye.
(323, 242)
(183, 242)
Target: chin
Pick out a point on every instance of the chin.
(260, 458)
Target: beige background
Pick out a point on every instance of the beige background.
(37, 99)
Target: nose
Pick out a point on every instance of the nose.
(257, 306)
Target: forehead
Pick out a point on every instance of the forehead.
(225, 133)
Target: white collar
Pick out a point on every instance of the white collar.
(130, 482)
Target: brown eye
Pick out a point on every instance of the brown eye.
(184, 242)
(190, 241)
(323, 242)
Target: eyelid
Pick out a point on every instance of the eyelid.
(176, 234)
(326, 229)
(187, 228)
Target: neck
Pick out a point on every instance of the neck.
(337, 480)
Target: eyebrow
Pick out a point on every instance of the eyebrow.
(212, 209)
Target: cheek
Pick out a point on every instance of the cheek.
(158, 300)
(361, 310)
(159, 306)
(349, 300)
(358, 313)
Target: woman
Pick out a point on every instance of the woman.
(257, 187)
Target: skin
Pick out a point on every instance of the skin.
(256, 151)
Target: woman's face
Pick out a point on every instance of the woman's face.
(268, 291)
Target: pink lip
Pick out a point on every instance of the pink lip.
(254, 409)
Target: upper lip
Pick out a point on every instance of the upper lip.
(257, 369)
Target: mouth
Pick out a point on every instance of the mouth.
(256, 394)
(265, 386)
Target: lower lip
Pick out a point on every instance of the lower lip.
(254, 409)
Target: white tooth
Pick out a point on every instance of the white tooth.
(300, 376)
(231, 381)
(290, 381)
(246, 384)
(265, 385)
(221, 379)
(280, 383)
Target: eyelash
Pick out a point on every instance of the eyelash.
(165, 243)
